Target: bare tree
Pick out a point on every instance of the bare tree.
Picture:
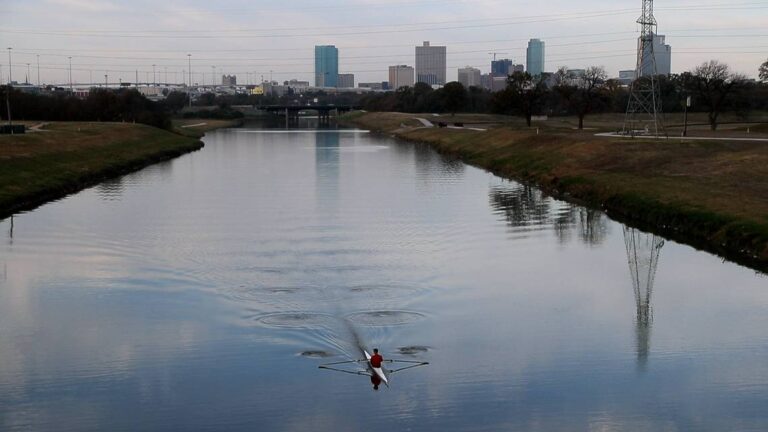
(524, 94)
(581, 91)
(764, 72)
(711, 84)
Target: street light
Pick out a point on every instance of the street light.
(70, 75)
(10, 67)
(189, 91)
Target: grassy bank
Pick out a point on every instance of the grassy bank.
(710, 194)
(196, 128)
(62, 158)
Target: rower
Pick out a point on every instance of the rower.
(376, 358)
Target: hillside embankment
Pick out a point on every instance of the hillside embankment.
(712, 195)
(55, 159)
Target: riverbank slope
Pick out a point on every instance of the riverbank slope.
(709, 194)
(61, 158)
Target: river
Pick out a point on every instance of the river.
(203, 293)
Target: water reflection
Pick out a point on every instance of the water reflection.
(528, 208)
(110, 190)
(327, 166)
(643, 251)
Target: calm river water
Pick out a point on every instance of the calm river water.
(202, 294)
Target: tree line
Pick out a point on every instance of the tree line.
(126, 105)
(712, 87)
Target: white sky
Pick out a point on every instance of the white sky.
(252, 38)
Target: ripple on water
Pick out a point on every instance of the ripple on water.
(315, 354)
(296, 320)
(384, 318)
(250, 293)
(413, 349)
(382, 291)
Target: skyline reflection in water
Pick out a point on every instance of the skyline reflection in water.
(202, 295)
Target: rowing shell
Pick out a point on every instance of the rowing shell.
(377, 370)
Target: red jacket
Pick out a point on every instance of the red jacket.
(376, 360)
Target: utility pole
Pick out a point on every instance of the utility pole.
(38, 70)
(645, 95)
(154, 77)
(10, 67)
(106, 80)
(27, 80)
(137, 78)
(213, 75)
(189, 92)
(70, 75)
(8, 92)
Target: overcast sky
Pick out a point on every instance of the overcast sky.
(252, 38)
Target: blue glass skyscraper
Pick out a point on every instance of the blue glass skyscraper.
(535, 57)
(326, 66)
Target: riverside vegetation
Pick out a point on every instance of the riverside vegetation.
(710, 194)
(64, 157)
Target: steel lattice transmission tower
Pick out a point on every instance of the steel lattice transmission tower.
(643, 252)
(644, 108)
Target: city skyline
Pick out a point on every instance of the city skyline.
(278, 41)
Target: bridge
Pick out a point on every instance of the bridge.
(292, 112)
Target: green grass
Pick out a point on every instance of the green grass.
(67, 157)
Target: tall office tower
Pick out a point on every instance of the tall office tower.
(400, 76)
(535, 57)
(505, 67)
(346, 80)
(470, 77)
(430, 64)
(662, 54)
(326, 66)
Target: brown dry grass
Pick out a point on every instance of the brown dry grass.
(721, 185)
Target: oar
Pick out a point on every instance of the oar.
(408, 367)
(345, 371)
(406, 361)
(344, 362)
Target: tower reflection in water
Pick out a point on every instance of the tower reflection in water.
(643, 252)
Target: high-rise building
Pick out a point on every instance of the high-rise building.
(326, 66)
(627, 76)
(470, 77)
(430, 64)
(663, 55)
(505, 67)
(400, 76)
(535, 55)
(346, 80)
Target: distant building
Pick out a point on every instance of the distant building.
(326, 66)
(498, 83)
(663, 54)
(626, 77)
(377, 85)
(535, 55)
(400, 76)
(228, 80)
(505, 67)
(296, 85)
(346, 81)
(470, 77)
(431, 64)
